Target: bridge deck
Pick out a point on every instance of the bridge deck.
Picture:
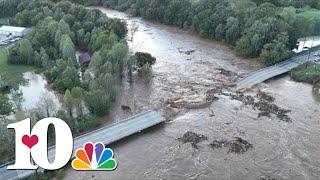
(278, 69)
(107, 135)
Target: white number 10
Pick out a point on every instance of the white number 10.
(34, 144)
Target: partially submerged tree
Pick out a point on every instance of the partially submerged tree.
(142, 58)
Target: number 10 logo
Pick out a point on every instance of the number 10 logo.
(34, 144)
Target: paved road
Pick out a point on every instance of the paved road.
(107, 135)
(275, 70)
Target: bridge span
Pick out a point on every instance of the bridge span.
(106, 135)
(312, 55)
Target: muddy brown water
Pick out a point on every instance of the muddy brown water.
(187, 68)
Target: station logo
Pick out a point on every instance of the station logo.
(31, 151)
(94, 157)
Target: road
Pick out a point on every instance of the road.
(107, 135)
(278, 69)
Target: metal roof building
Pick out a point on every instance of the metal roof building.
(15, 31)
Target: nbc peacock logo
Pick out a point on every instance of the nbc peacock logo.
(94, 157)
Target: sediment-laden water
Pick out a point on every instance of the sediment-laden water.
(270, 131)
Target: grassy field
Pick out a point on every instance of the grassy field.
(11, 74)
(12, 70)
(311, 14)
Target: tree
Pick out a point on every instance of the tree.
(26, 52)
(64, 27)
(47, 106)
(98, 101)
(96, 62)
(57, 38)
(276, 51)
(77, 94)
(68, 102)
(100, 41)
(61, 114)
(118, 55)
(5, 105)
(220, 31)
(17, 99)
(142, 58)
(44, 58)
(119, 28)
(233, 30)
(67, 48)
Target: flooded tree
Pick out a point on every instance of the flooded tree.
(47, 106)
(142, 58)
(17, 99)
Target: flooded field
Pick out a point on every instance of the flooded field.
(269, 132)
(35, 90)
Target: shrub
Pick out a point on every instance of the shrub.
(143, 59)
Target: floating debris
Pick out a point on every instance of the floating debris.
(126, 108)
(265, 97)
(264, 103)
(187, 52)
(226, 72)
(238, 146)
(193, 138)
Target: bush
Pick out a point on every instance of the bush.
(143, 59)
(310, 74)
(89, 122)
(5, 105)
(59, 174)
(146, 70)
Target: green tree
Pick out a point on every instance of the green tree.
(67, 48)
(142, 58)
(5, 105)
(77, 94)
(47, 106)
(26, 52)
(68, 102)
(17, 99)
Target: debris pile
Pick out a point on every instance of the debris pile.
(238, 146)
(263, 102)
(226, 72)
(193, 138)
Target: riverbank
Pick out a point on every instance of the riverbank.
(308, 74)
(200, 140)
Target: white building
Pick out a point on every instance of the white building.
(15, 31)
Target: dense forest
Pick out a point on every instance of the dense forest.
(255, 28)
(59, 30)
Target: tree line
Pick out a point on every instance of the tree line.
(268, 29)
(59, 30)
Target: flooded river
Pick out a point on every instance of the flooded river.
(230, 135)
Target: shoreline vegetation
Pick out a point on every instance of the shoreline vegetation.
(308, 74)
(59, 29)
(254, 28)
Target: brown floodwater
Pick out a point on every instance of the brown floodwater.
(187, 68)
